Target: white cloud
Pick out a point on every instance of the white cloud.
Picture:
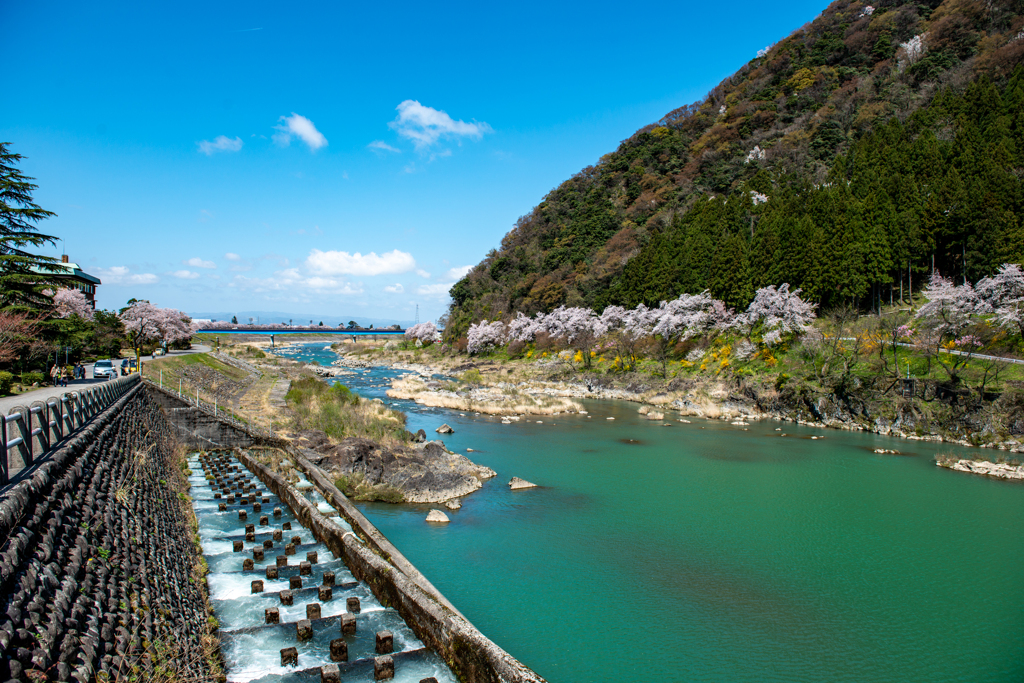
(423, 274)
(185, 274)
(383, 146)
(221, 143)
(301, 127)
(439, 291)
(232, 256)
(197, 262)
(344, 263)
(290, 281)
(425, 125)
(396, 288)
(122, 275)
(458, 273)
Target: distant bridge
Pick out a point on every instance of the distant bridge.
(310, 330)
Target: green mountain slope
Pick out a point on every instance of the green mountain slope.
(854, 154)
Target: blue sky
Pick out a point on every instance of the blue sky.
(336, 159)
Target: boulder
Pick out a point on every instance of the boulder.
(518, 483)
(437, 516)
(445, 429)
(419, 437)
(453, 504)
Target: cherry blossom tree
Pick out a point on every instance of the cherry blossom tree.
(424, 332)
(485, 336)
(144, 322)
(946, 319)
(17, 331)
(1004, 295)
(578, 327)
(68, 302)
(628, 328)
(776, 312)
(685, 317)
(950, 307)
(523, 328)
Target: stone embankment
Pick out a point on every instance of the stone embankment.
(99, 576)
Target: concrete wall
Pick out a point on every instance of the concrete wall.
(200, 429)
(470, 654)
(97, 563)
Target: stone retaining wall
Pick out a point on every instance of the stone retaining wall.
(98, 567)
(470, 655)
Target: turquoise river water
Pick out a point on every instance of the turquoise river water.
(712, 552)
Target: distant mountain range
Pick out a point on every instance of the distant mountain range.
(268, 317)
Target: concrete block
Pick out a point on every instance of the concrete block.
(339, 650)
(272, 572)
(328, 578)
(311, 556)
(251, 537)
(277, 512)
(242, 514)
(237, 546)
(329, 673)
(268, 544)
(383, 668)
(264, 520)
(313, 610)
(289, 656)
(303, 629)
(289, 549)
(277, 535)
(348, 623)
(385, 642)
(282, 560)
(352, 605)
(297, 540)
(272, 615)
(287, 526)
(250, 528)
(295, 583)
(287, 598)
(257, 554)
(247, 564)
(257, 586)
(256, 507)
(222, 507)
(305, 569)
(324, 593)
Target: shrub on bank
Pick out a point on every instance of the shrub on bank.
(338, 412)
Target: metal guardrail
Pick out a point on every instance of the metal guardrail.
(32, 431)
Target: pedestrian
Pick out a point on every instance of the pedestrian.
(63, 376)
(54, 374)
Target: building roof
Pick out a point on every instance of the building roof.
(66, 270)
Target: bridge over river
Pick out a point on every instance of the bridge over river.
(143, 533)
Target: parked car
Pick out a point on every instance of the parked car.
(128, 366)
(104, 369)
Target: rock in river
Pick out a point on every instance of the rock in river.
(445, 429)
(437, 516)
(518, 483)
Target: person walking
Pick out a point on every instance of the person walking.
(55, 374)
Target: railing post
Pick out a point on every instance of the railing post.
(5, 466)
(25, 427)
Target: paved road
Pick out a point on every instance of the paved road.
(43, 393)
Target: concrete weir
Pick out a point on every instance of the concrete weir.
(255, 544)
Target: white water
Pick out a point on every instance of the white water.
(255, 655)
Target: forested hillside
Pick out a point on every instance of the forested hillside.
(846, 160)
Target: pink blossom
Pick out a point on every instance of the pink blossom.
(424, 332)
(70, 302)
(485, 336)
(777, 311)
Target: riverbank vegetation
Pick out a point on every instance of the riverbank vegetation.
(340, 413)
